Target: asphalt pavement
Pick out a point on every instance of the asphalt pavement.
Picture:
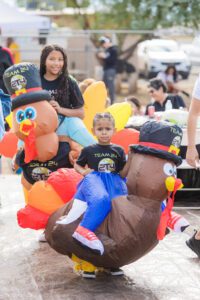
(32, 270)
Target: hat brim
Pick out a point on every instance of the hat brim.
(158, 153)
(30, 97)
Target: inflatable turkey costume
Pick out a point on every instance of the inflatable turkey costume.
(133, 227)
(32, 112)
(35, 121)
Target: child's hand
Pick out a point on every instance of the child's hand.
(55, 105)
(87, 171)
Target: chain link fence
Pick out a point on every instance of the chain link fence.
(82, 46)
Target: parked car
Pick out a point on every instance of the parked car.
(193, 51)
(155, 55)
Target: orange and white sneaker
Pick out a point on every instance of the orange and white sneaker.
(177, 222)
(88, 239)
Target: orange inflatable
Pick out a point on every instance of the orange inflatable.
(45, 197)
(64, 181)
(32, 218)
(125, 138)
(8, 145)
(50, 199)
(34, 120)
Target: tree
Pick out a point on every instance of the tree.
(132, 14)
(146, 15)
(149, 14)
(137, 14)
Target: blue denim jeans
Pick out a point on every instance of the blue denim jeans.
(109, 80)
(98, 189)
(74, 128)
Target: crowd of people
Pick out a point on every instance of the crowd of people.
(67, 100)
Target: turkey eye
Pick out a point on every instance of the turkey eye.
(20, 116)
(30, 113)
(175, 171)
(168, 169)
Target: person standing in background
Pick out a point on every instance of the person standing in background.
(109, 59)
(14, 48)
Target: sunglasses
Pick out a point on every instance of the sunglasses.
(151, 91)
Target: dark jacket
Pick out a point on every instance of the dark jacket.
(110, 61)
(176, 100)
(6, 60)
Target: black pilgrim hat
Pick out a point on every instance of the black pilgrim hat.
(160, 139)
(24, 84)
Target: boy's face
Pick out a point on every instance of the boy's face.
(104, 131)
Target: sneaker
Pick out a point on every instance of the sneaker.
(177, 222)
(194, 245)
(116, 272)
(89, 275)
(88, 239)
(42, 238)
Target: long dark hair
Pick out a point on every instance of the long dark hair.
(63, 88)
(156, 83)
(175, 74)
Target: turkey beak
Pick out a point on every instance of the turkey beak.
(173, 184)
(26, 126)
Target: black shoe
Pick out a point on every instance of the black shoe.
(194, 245)
(89, 275)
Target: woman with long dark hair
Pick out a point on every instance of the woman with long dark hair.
(66, 96)
(170, 78)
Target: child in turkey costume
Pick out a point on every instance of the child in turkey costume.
(132, 228)
(106, 165)
(34, 122)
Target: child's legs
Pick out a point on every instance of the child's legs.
(79, 133)
(98, 200)
(62, 125)
(114, 184)
(78, 208)
(74, 128)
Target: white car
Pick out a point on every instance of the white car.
(193, 51)
(155, 55)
